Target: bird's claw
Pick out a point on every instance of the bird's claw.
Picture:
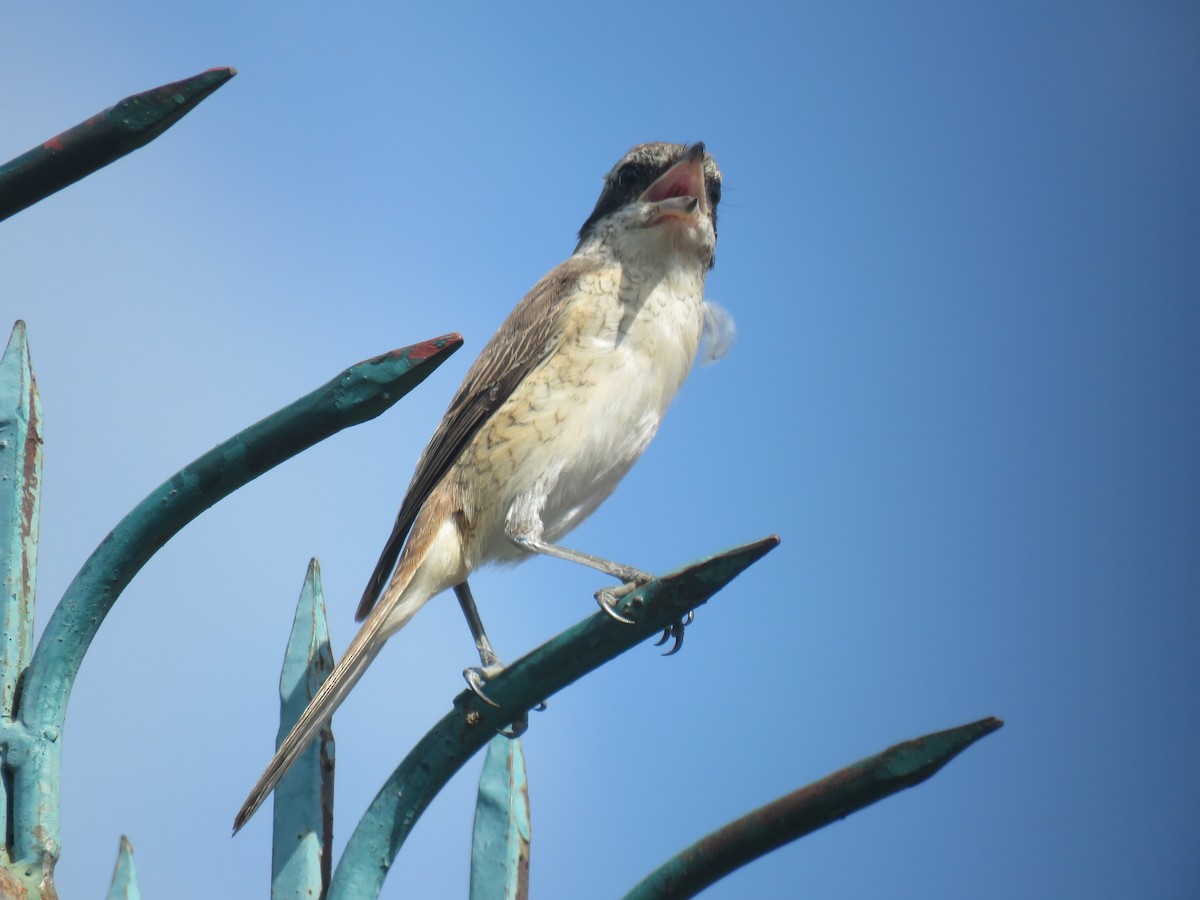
(675, 630)
(608, 597)
(476, 676)
(519, 726)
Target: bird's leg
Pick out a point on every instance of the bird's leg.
(615, 569)
(490, 665)
(487, 656)
(607, 598)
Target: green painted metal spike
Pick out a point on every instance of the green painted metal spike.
(20, 501)
(124, 880)
(461, 733)
(105, 137)
(500, 838)
(356, 395)
(594, 641)
(804, 811)
(302, 843)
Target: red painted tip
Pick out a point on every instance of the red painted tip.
(437, 345)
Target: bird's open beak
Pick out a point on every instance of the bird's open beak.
(679, 192)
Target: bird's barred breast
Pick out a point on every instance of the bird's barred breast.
(565, 438)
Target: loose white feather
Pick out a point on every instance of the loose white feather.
(720, 331)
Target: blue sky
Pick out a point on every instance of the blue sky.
(960, 244)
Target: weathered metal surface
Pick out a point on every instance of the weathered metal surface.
(33, 881)
(805, 810)
(103, 138)
(356, 395)
(381, 832)
(124, 881)
(500, 839)
(20, 500)
(302, 844)
(11, 887)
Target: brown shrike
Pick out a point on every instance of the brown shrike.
(557, 408)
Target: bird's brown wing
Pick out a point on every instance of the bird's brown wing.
(527, 337)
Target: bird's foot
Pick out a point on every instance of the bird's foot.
(476, 676)
(608, 597)
(675, 630)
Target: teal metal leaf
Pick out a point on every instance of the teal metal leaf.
(20, 500)
(805, 810)
(124, 880)
(303, 831)
(500, 839)
(105, 137)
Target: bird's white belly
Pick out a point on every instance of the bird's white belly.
(614, 421)
(583, 418)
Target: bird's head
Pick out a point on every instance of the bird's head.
(658, 196)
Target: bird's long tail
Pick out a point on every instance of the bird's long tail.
(410, 589)
(316, 715)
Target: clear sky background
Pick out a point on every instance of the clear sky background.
(962, 246)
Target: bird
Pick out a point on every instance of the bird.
(557, 408)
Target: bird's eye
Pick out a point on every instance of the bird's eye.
(627, 176)
(714, 193)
